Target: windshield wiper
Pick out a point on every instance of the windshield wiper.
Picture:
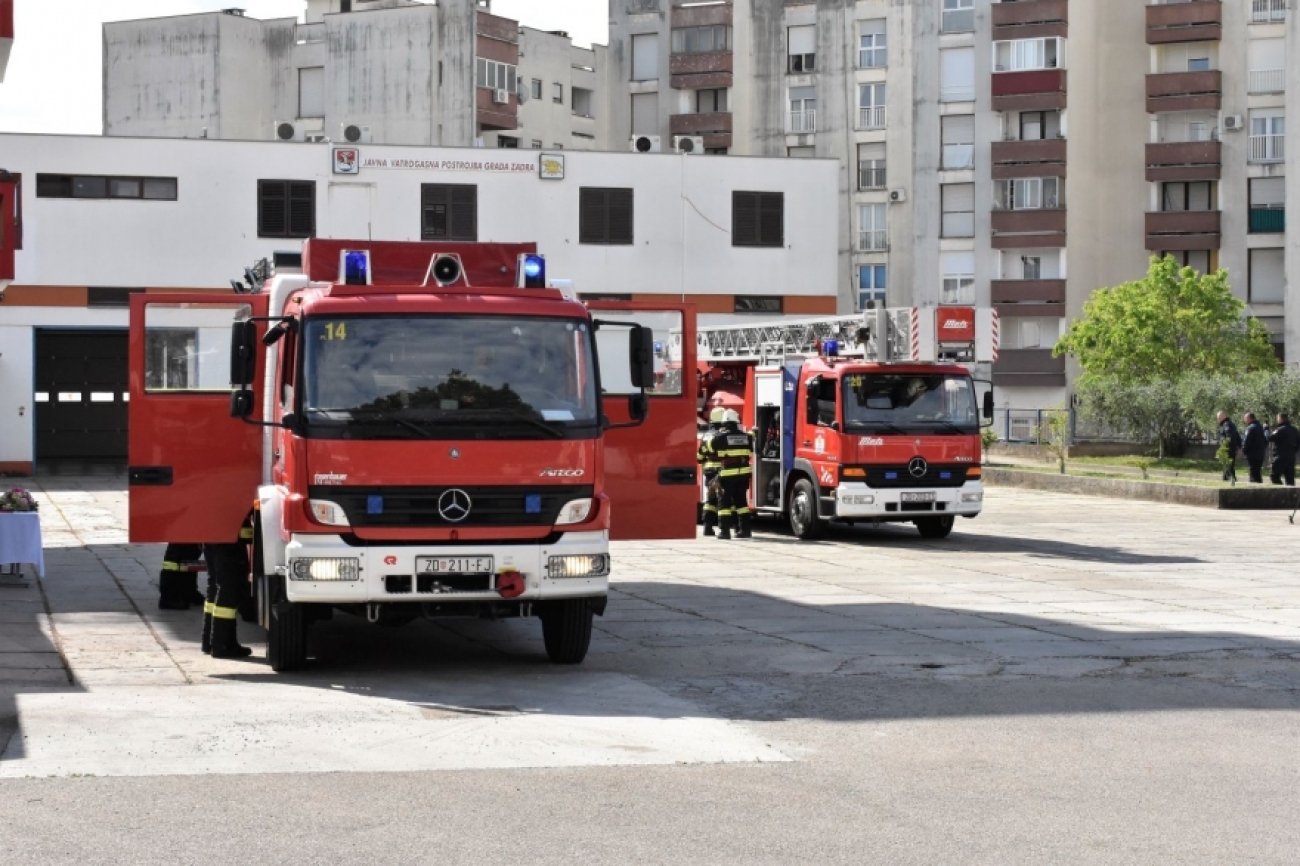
(954, 428)
(555, 432)
(381, 415)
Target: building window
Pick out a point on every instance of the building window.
(1267, 205)
(1034, 332)
(701, 40)
(1267, 66)
(645, 57)
(801, 152)
(1265, 11)
(1267, 136)
(958, 134)
(757, 219)
(286, 208)
(873, 47)
(1197, 260)
(537, 88)
(496, 76)
(311, 92)
(871, 106)
(958, 16)
(1034, 125)
(604, 216)
(448, 212)
(758, 304)
(958, 201)
(802, 48)
(1032, 267)
(871, 166)
(507, 142)
(1017, 55)
(958, 270)
(645, 114)
(557, 96)
(957, 75)
(803, 109)
(1030, 193)
(582, 102)
(873, 236)
(710, 101)
(1181, 196)
(86, 186)
(1268, 276)
(871, 286)
(537, 145)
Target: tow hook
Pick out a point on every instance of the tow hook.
(511, 584)
(372, 612)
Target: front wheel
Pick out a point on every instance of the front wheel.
(804, 522)
(934, 527)
(286, 639)
(566, 630)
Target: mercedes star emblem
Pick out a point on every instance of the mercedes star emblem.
(454, 505)
(918, 467)
(455, 454)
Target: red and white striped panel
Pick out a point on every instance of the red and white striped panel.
(916, 334)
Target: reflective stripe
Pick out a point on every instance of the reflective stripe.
(246, 534)
(732, 473)
(223, 612)
(708, 507)
(208, 608)
(743, 509)
(171, 566)
(725, 512)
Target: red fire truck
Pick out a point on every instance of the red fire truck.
(411, 430)
(864, 418)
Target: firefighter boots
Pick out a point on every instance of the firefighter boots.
(225, 645)
(744, 530)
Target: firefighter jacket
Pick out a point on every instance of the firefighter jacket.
(734, 450)
(704, 455)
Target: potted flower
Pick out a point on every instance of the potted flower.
(17, 500)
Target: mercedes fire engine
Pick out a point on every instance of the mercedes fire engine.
(864, 418)
(410, 430)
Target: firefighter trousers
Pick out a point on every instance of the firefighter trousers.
(733, 505)
(228, 582)
(710, 499)
(178, 582)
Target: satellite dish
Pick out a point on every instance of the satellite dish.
(523, 93)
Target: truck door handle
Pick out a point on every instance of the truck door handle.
(153, 476)
(807, 442)
(670, 475)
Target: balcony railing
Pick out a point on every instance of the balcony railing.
(871, 118)
(872, 58)
(958, 20)
(1194, 21)
(803, 121)
(1267, 220)
(873, 241)
(1263, 11)
(1267, 148)
(871, 178)
(1267, 80)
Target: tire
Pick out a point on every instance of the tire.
(802, 511)
(934, 527)
(286, 639)
(566, 630)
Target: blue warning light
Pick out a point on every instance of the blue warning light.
(532, 271)
(356, 268)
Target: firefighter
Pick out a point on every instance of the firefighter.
(734, 449)
(227, 582)
(709, 465)
(178, 582)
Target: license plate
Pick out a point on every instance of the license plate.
(453, 565)
(918, 497)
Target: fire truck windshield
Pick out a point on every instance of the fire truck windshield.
(910, 403)
(447, 377)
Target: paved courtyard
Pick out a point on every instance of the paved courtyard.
(1064, 679)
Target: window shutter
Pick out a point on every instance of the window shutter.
(744, 219)
(620, 216)
(591, 216)
(302, 210)
(464, 212)
(771, 219)
(272, 208)
(436, 205)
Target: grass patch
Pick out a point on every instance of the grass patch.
(1168, 464)
(1071, 472)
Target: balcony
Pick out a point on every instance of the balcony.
(873, 241)
(701, 14)
(1185, 91)
(1198, 21)
(1028, 368)
(1028, 228)
(871, 178)
(802, 122)
(1267, 220)
(700, 71)
(1028, 19)
(491, 115)
(1266, 81)
(1184, 160)
(1267, 148)
(1183, 230)
(1034, 90)
(1028, 291)
(871, 118)
(1037, 158)
(1267, 11)
(696, 124)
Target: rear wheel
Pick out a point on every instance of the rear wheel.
(566, 630)
(934, 527)
(286, 638)
(804, 522)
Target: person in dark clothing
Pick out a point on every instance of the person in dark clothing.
(1228, 433)
(734, 450)
(1254, 445)
(1286, 443)
(178, 582)
(228, 570)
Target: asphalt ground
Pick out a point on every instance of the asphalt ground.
(1065, 679)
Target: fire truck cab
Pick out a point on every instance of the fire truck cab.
(862, 418)
(410, 430)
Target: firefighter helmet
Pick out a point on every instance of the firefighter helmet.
(731, 416)
(718, 416)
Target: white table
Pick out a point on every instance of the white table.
(20, 540)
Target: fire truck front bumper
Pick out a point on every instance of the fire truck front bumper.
(327, 570)
(860, 502)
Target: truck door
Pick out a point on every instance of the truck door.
(650, 470)
(194, 470)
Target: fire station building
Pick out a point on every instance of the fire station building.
(86, 221)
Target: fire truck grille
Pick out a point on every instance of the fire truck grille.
(936, 475)
(438, 506)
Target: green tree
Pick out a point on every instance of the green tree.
(1171, 322)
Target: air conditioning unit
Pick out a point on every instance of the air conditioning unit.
(688, 143)
(1232, 122)
(501, 97)
(286, 131)
(354, 134)
(645, 144)
(897, 195)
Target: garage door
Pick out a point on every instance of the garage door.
(81, 395)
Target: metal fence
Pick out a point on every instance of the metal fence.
(1029, 426)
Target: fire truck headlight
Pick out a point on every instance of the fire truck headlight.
(575, 511)
(326, 569)
(578, 565)
(326, 512)
(972, 497)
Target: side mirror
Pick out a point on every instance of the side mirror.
(638, 407)
(641, 356)
(289, 421)
(988, 405)
(241, 403)
(243, 352)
